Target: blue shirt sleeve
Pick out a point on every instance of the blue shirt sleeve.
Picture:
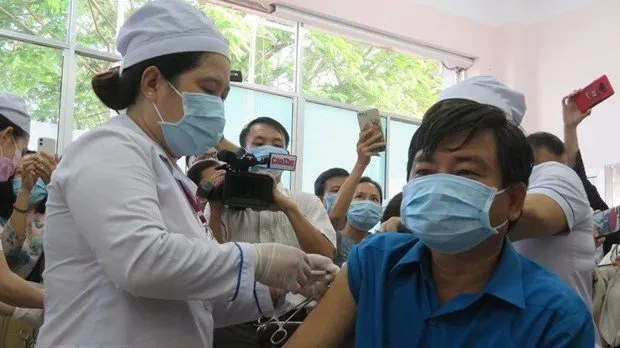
(574, 331)
(354, 271)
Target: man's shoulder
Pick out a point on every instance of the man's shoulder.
(556, 174)
(384, 249)
(544, 291)
(304, 197)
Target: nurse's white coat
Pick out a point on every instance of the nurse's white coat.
(127, 262)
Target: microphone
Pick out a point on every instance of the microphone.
(242, 163)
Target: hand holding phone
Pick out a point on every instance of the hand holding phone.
(593, 94)
(46, 145)
(372, 119)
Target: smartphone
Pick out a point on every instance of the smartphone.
(46, 145)
(369, 117)
(608, 221)
(594, 94)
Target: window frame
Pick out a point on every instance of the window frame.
(70, 50)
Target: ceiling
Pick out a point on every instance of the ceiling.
(506, 11)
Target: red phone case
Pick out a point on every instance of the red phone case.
(594, 94)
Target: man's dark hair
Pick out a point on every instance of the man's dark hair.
(319, 183)
(393, 208)
(267, 121)
(366, 179)
(547, 141)
(461, 117)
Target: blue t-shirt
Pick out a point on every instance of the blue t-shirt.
(522, 305)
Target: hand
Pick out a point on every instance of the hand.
(282, 267)
(370, 141)
(282, 201)
(216, 180)
(319, 284)
(572, 115)
(597, 241)
(28, 174)
(45, 164)
(32, 316)
(394, 224)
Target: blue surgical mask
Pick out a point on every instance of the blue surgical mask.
(200, 128)
(330, 199)
(364, 215)
(37, 194)
(262, 152)
(448, 213)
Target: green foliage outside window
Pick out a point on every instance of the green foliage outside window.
(334, 68)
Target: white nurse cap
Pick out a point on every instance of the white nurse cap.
(164, 27)
(488, 90)
(13, 107)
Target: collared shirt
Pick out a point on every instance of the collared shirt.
(570, 255)
(522, 305)
(128, 263)
(252, 226)
(267, 226)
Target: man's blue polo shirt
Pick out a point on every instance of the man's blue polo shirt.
(522, 305)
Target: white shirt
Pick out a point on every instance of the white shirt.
(570, 255)
(252, 226)
(128, 263)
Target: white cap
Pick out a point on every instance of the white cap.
(13, 107)
(488, 90)
(164, 27)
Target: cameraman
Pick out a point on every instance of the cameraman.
(300, 221)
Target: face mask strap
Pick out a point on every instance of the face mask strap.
(501, 225)
(158, 113)
(175, 89)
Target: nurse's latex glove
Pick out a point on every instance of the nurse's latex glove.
(32, 316)
(280, 266)
(324, 271)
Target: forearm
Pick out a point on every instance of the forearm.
(225, 144)
(6, 310)
(571, 142)
(16, 291)
(339, 211)
(310, 239)
(18, 219)
(215, 223)
(541, 217)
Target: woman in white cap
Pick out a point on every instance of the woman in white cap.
(128, 262)
(14, 129)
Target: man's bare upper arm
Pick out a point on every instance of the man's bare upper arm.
(542, 216)
(330, 323)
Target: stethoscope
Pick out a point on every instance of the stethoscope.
(280, 336)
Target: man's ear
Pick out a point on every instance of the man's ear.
(517, 193)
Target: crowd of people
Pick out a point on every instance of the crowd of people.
(490, 243)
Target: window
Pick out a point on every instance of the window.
(338, 75)
(357, 73)
(36, 17)
(98, 22)
(89, 111)
(264, 51)
(399, 137)
(33, 72)
(244, 105)
(330, 138)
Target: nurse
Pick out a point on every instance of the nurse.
(14, 135)
(128, 262)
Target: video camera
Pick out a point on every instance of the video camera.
(242, 189)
